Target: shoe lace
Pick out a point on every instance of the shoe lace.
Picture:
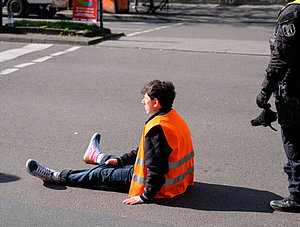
(286, 199)
(289, 200)
(44, 171)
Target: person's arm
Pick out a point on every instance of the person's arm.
(278, 65)
(282, 57)
(128, 158)
(156, 152)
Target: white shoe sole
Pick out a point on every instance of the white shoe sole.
(90, 144)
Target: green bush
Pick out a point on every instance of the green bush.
(59, 24)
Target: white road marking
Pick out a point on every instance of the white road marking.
(58, 53)
(17, 52)
(7, 71)
(73, 49)
(14, 53)
(154, 29)
(39, 60)
(24, 65)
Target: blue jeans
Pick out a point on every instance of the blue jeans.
(103, 175)
(291, 145)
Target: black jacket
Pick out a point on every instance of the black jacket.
(283, 72)
(285, 49)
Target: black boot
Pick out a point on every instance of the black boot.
(287, 205)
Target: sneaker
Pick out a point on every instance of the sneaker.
(93, 150)
(42, 172)
(287, 204)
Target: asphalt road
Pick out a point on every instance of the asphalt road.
(53, 99)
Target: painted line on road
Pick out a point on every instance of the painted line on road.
(58, 53)
(7, 71)
(154, 29)
(24, 65)
(72, 49)
(38, 60)
(14, 53)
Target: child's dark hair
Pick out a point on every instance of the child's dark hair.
(164, 91)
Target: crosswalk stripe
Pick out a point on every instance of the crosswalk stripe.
(14, 53)
(24, 65)
(11, 54)
(7, 71)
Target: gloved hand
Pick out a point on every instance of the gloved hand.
(262, 99)
(266, 117)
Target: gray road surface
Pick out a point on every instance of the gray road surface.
(51, 108)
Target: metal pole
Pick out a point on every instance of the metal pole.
(100, 14)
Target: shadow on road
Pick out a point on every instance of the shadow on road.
(54, 186)
(4, 178)
(210, 197)
(213, 197)
(57, 186)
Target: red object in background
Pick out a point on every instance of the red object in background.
(60, 3)
(85, 10)
(116, 6)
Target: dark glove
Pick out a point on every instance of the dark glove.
(265, 119)
(262, 99)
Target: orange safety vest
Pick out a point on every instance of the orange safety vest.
(181, 160)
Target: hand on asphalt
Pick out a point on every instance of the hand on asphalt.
(133, 200)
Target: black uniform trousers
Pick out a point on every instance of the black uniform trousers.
(291, 144)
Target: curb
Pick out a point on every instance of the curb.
(51, 39)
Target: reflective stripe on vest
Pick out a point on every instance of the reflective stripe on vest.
(172, 165)
(176, 180)
(181, 160)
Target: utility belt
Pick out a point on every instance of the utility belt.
(288, 108)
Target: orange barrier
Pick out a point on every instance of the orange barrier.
(116, 6)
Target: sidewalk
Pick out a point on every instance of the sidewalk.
(199, 13)
(205, 13)
(178, 12)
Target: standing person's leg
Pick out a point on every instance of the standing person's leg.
(102, 175)
(291, 145)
